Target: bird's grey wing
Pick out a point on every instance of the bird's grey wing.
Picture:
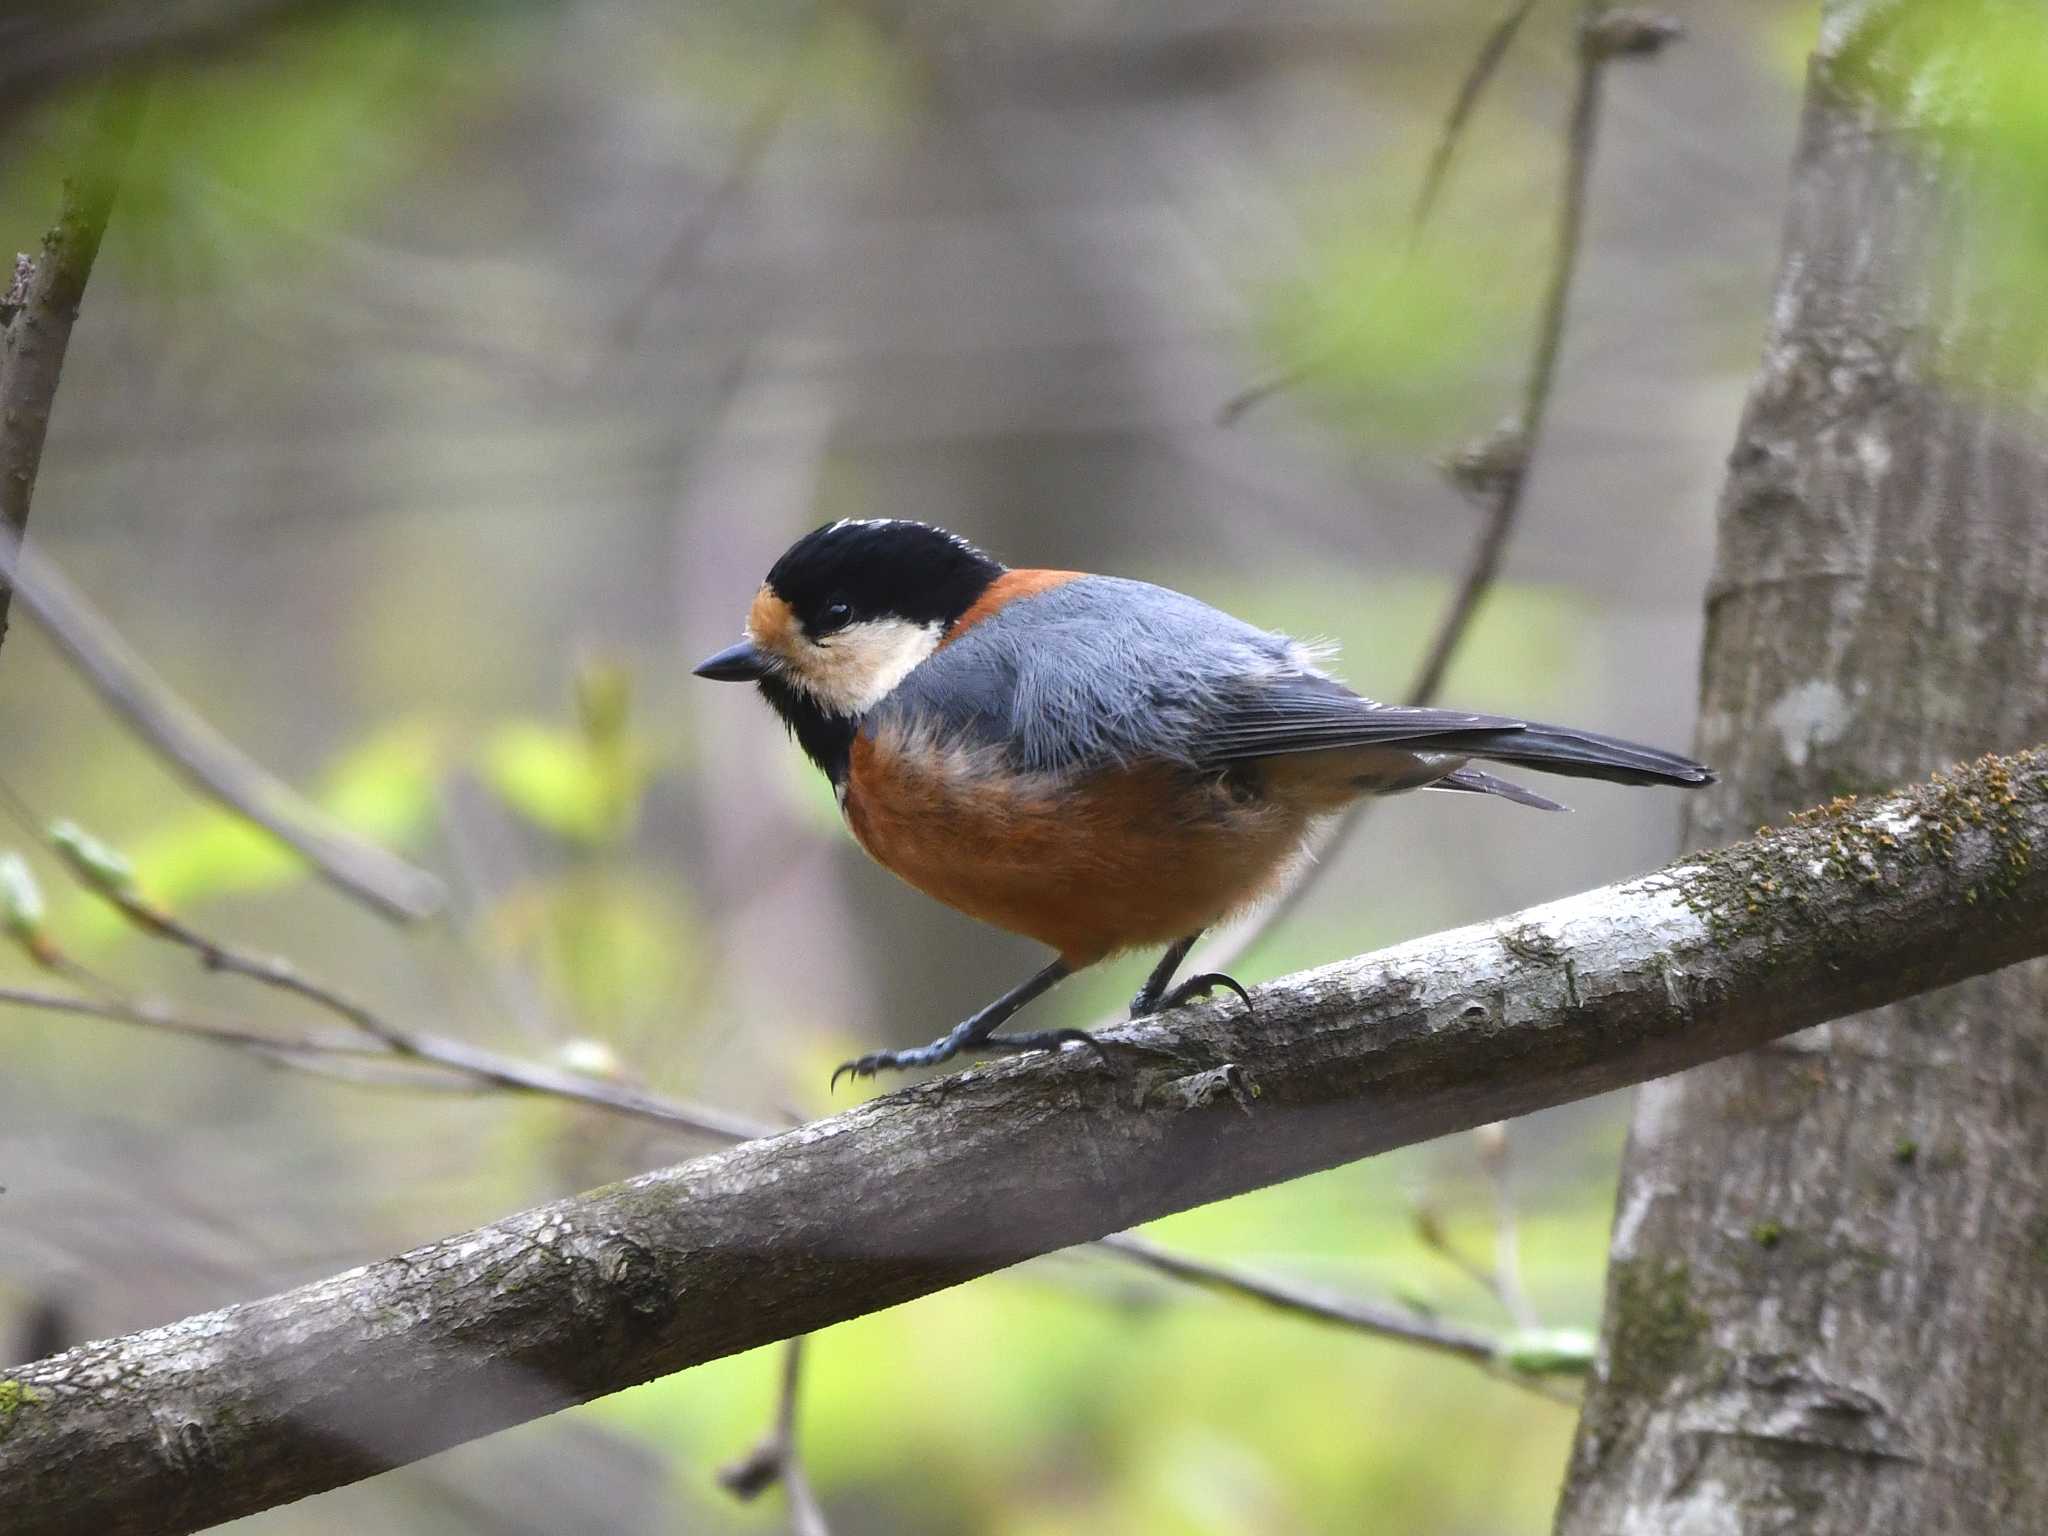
(1308, 712)
(1103, 671)
(1315, 713)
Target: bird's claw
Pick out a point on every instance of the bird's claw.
(1203, 986)
(862, 1066)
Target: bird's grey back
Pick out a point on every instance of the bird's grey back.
(1095, 672)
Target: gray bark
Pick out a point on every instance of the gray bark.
(233, 1411)
(33, 345)
(1829, 1282)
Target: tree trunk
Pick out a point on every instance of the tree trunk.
(1829, 1280)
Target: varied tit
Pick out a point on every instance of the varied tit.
(1100, 764)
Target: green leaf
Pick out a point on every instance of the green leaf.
(208, 852)
(558, 781)
(605, 946)
(1393, 341)
(386, 787)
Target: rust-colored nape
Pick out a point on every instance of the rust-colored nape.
(1004, 590)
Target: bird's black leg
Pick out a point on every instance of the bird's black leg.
(1158, 995)
(1149, 995)
(973, 1034)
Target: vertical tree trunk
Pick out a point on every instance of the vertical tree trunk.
(1828, 1301)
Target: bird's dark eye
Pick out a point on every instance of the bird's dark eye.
(837, 615)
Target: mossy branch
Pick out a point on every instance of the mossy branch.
(1856, 905)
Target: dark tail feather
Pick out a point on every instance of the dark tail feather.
(1472, 781)
(1585, 755)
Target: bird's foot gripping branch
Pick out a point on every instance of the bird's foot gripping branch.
(1857, 904)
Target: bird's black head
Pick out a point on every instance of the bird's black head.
(849, 573)
(844, 615)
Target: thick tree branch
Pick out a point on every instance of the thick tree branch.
(241, 1409)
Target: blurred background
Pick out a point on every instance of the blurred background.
(452, 374)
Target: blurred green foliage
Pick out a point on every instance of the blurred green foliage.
(334, 110)
(383, 787)
(1084, 1397)
(1395, 339)
(1968, 79)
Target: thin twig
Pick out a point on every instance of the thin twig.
(155, 1016)
(486, 1066)
(1379, 1318)
(756, 137)
(1477, 77)
(333, 1055)
(1495, 1156)
(1480, 75)
(39, 332)
(1429, 1231)
(775, 1459)
(1582, 136)
(1504, 487)
(163, 721)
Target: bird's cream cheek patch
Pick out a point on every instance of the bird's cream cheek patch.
(853, 671)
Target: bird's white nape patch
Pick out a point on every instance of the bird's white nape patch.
(947, 534)
(851, 671)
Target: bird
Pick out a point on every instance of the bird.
(1097, 763)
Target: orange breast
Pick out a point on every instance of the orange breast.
(1109, 862)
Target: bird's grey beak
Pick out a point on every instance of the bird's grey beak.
(741, 663)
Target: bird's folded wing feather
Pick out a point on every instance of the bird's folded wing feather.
(1275, 715)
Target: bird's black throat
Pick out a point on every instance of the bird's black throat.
(826, 737)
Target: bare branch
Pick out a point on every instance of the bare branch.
(1477, 77)
(1429, 1231)
(775, 1459)
(1378, 1318)
(1495, 1153)
(1506, 1356)
(488, 1067)
(1581, 137)
(756, 137)
(1485, 64)
(1507, 457)
(484, 1068)
(156, 1016)
(164, 722)
(241, 1409)
(44, 297)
